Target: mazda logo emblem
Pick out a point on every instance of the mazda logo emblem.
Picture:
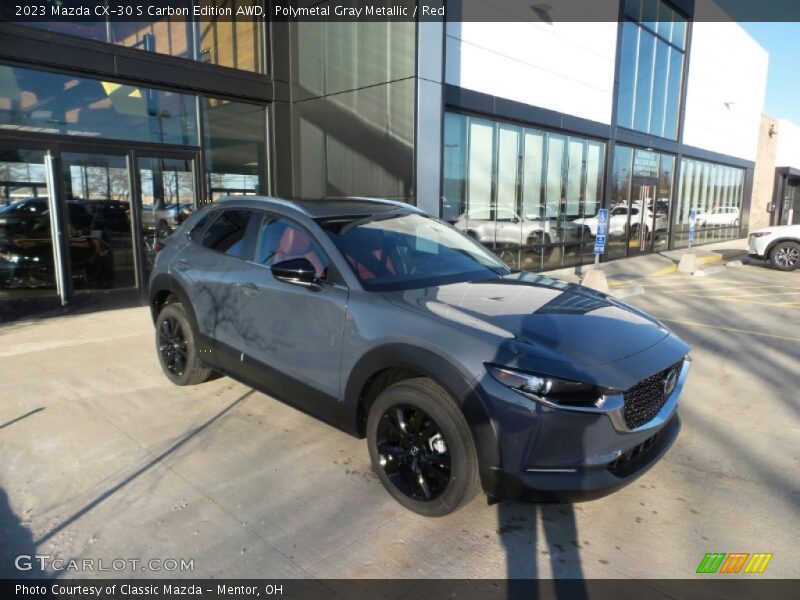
(670, 382)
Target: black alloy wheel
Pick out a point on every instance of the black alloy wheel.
(172, 346)
(421, 447)
(413, 452)
(177, 351)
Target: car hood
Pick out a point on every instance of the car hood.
(552, 319)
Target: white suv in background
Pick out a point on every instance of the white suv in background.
(779, 244)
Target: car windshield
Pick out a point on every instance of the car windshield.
(400, 251)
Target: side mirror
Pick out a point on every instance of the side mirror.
(299, 271)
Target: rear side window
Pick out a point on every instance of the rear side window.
(196, 234)
(226, 234)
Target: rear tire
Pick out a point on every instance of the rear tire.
(785, 256)
(421, 448)
(177, 349)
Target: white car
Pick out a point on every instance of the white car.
(779, 244)
(618, 220)
(720, 216)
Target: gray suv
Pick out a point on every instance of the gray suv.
(394, 326)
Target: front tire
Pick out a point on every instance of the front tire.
(421, 448)
(785, 256)
(177, 349)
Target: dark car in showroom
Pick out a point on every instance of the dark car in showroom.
(26, 245)
(392, 325)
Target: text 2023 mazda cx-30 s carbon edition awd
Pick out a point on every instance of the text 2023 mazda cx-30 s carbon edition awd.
(394, 326)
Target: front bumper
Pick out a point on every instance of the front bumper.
(757, 245)
(556, 455)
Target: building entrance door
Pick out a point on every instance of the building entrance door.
(641, 218)
(167, 193)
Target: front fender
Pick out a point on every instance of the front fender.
(454, 381)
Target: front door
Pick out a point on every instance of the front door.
(292, 334)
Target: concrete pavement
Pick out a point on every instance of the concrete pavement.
(102, 458)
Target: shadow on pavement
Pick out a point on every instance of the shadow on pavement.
(16, 540)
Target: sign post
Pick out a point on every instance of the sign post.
(692, 222)
(602, 232)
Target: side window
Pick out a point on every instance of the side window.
(281, 239)
(196, 234)
(226, 233)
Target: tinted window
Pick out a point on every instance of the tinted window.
(280, 240)
(226, 233)
(406, 251)
(196, 233)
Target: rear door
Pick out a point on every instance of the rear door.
(292, 334)
(207, 269)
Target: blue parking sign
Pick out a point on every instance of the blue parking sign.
(602, 230)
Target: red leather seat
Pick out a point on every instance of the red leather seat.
(296, 244)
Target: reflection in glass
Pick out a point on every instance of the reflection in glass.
(26, 249)
(67, 105)
(167, 196)
(239, 44)
(97, 194)
(715, 192)
(235, 144)
(527, 191)
(454, 166)
(651, 68)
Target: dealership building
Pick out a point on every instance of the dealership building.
(516, 131)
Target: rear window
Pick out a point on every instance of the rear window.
(226, 233)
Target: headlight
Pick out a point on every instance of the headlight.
(550, 390)
(10, 257)
(759, 234)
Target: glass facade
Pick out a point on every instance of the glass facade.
(651, 68)
(716, 192)
(529, 195)
(131, 163)
(224, 41)
(43, 102)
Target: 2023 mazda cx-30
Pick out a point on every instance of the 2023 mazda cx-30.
(394, 326)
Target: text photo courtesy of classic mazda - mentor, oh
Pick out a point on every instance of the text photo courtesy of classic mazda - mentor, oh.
(461, 373)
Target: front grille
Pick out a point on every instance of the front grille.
(645, 399)
(628, 462)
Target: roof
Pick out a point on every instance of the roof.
(334, 207)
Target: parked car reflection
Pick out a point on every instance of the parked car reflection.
(506, 227)
(26, 250)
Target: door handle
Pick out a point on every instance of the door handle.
(182, 265)
(249, 288)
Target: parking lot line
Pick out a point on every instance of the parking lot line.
(738, 300)
(731, 329)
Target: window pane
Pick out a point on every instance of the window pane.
(533, 206)
(673, 96)
(226, 234)
(644, 81)
(235, 147)
(594, 178)
(454, 167)
(627, 74)
(481, 152)
(574, 178)
(67, 105)
(660, 87)
(679, 32)
(507, 169)
(555, 176)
